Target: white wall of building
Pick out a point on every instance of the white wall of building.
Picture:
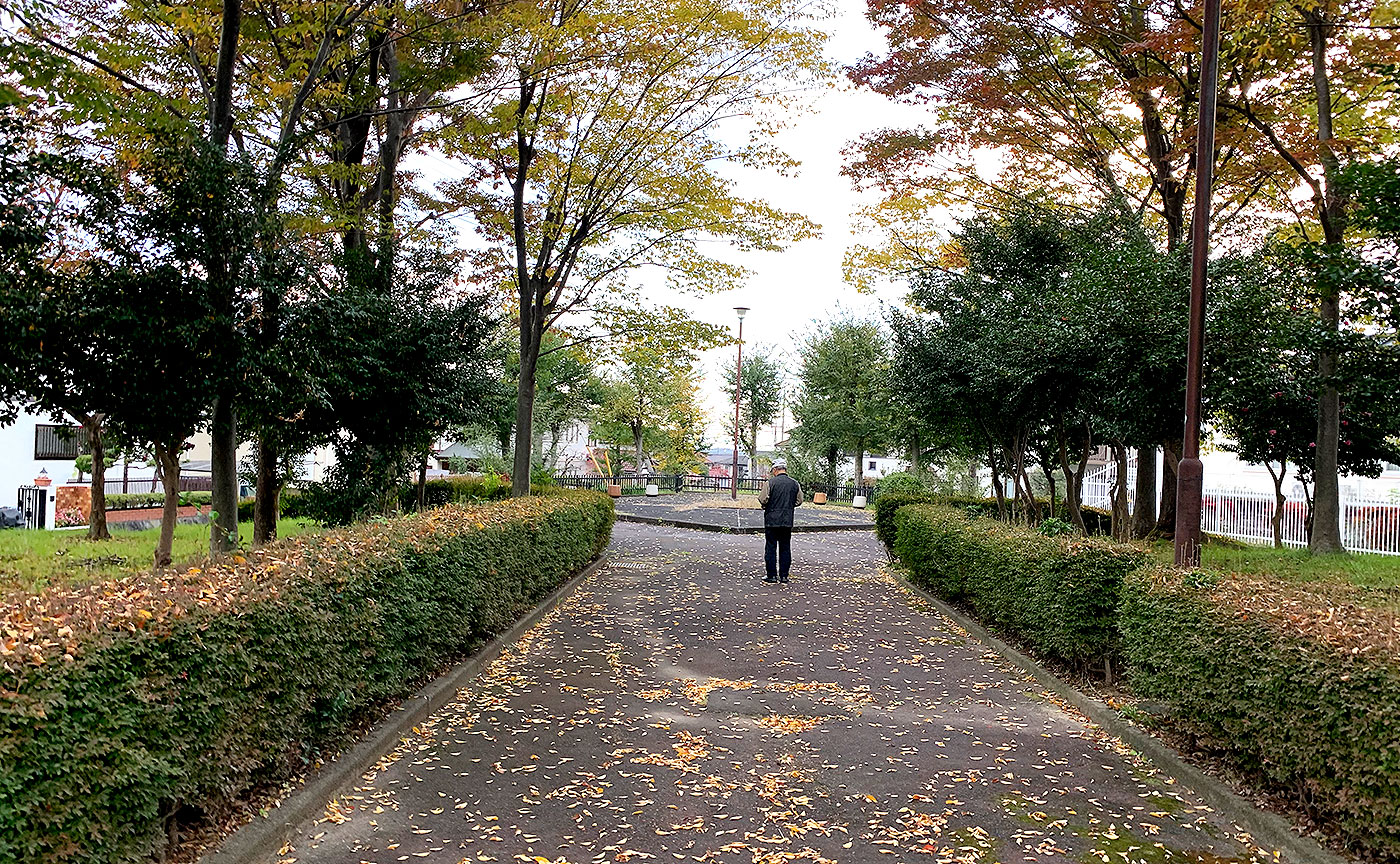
(18, 467)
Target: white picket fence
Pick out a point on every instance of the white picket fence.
(1368, 524)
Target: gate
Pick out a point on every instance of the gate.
(34, 503)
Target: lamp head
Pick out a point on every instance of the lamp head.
(741, 311)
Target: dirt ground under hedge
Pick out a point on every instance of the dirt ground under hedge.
(676, 708)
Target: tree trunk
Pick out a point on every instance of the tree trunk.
(997, 487)
(1166, 515)
(1327, 532)
(223, 469)
(169, 461)
(637, 455)
(1074, 486)
(1050, 481)
(916, 458)
(423, 480)
(1145, 509)
(267, 498)
(525, 407)
(860, 465)
(554, 431)
(223, 533)
(97, 509)
(833, 453)
(1121, 529)
(1279, 500)
(1023, 480)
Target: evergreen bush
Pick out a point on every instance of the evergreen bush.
(184, 689)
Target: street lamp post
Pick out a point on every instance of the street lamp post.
(738, 390)
(1189, 477)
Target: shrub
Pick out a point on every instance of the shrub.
(455, 490)
(184, 689)
(901, 483)
(290, 505)
(885, 508)
(154, 500)
(1097, 522)
(1056, 595)
(1300, 690)
(1053, 526)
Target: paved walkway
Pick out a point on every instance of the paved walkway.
(678, 709)
(721, 513)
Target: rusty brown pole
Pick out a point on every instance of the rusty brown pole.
(1189, 477)
(738, 390)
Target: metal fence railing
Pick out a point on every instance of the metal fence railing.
(1369, 524)
(133, 485)
(635, 483)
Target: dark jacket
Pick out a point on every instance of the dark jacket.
(778, 498)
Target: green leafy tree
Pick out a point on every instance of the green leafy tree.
(594, 153)
(1261, 390)
(650, 387)
(761, 398)
(844, 401)
(1044, 334)
(420, 368)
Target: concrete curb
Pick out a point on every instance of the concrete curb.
(733, 529)
(262, 839)
(1268, 829)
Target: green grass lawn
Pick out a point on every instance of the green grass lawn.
(1294, 565)
(30, 560)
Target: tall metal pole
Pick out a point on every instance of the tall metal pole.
(738, 390)
(1190, 480)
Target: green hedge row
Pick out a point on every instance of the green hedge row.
(1245, 668)
(455, 490)
(290, 505)
(152, 500)
(1097, 522)
(191, 709)
(1314, 722)
(1057, 594)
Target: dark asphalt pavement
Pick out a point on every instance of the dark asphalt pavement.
(676, 708)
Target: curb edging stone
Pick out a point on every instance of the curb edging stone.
(1267, 829)
(263, 838)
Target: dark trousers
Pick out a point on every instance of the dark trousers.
(777, 550)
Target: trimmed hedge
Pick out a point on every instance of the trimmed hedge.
(185, 692)
(1058, 595)
(1299, 686)
(152, 500)
(1313, 720)
(1097, 522)
(459, 489)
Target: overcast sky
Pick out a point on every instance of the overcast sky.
(787, 291)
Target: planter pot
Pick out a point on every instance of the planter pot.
(615, 490)
(858, 502)
(653, 490)
(818, 497)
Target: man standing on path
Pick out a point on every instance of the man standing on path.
(779, 496)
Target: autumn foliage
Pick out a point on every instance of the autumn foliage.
(124, 702)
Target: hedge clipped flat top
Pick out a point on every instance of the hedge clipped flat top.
(1351, 620)
(50, 625)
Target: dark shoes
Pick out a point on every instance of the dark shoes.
(783, 579)
(770, 579)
